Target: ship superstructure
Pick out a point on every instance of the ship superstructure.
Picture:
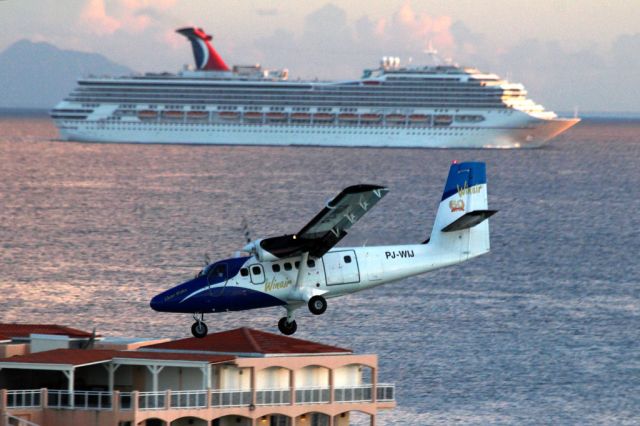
(442, 106)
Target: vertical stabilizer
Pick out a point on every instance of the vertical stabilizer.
(205, 55)
(460, 225)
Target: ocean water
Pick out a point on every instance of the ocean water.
(543, 330)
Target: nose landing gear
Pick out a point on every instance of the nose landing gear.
(199, 328)
(287, 325)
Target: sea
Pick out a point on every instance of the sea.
(545, 329)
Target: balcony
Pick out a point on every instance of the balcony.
(196, 399)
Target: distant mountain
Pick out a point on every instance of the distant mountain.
(38, 75)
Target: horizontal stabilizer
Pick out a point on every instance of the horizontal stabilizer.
(469, 220)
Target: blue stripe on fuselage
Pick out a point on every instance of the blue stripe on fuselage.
(231, 298)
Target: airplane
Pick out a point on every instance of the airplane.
(306, 268)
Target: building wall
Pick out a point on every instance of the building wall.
(180, 378)
(13, 349)
(350, 375)
(232, 377)
(312, 376)
(272, 378)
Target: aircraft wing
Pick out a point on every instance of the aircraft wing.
(329, 226)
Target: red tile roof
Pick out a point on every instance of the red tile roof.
(248, 341)
(81, 357)
(63, 357)
(24, 330)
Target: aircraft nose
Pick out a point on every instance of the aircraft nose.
(157, 303)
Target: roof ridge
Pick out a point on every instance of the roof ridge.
(248, 333)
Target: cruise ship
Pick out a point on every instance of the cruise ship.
(436, 106)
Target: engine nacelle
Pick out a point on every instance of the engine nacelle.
(256, 249)
(275, 248)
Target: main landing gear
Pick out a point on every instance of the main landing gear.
(199, 328)
(317, 305)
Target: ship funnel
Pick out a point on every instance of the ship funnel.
(205, 55)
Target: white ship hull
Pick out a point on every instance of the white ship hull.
(533, 134)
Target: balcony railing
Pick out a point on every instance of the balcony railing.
(273, 396)
(91, 400)
(315, 395)
(386, 392)
(79, 400)
(23, 398)
(234, 398)
(189, 399)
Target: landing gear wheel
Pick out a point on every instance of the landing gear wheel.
(199, 329)
(287, 328)
(317, 305)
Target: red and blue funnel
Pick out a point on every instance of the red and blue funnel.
(206, 57)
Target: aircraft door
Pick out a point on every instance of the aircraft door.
(217, 279)
(341, 267)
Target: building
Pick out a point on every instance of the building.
(240, 377)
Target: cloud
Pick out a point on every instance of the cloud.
(131, 16)
(94, 17)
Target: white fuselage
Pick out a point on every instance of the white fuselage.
(344, 270)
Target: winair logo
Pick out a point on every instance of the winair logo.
(277, 285)
(465, 190)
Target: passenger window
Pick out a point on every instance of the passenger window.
(257, 275)
(275, 267)
(287, 266)
(297, 264)
(244, 272)
(311, 263)
(347, 259)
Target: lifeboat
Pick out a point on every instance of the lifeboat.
(197, 115)
(229, 115)
(395, 118)
(253, 116)
(323, 117)
(371, 118)
(442, 120)
(419, 118)
(300, 116)
(348, 117)
(173, 115)
(147, 114)
(276, 116)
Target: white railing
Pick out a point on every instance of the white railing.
(360, 393)
(93, 400)
(188, 399)
(386, 392)
(230, 398)
(79, 400)
(314, 395)
(23, 398)
(152, 400)
(273, 396)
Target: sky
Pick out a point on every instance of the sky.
(578, 54)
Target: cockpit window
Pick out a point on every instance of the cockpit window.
(217, 274)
